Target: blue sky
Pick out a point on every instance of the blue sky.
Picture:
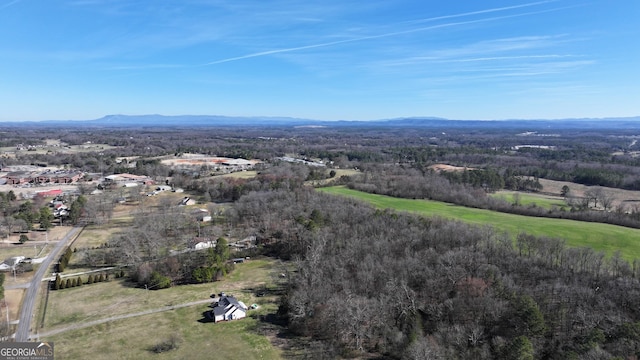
(329, 59)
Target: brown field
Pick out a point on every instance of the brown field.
(9, 250)
(197, 160)
(97, 235)
(553, 187)
(447, 168)
(12, 299)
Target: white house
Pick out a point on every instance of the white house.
(229, 308)
(202, 215)
(202, 243)
(10, 264)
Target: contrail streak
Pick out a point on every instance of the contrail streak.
(9, 4)
(484, 11)
(395, 33)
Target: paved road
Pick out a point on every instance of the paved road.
(26, 312)
(119, 317)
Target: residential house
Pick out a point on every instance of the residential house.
(187, 201)
(201, 215)
(10, 264)
(128, 180)
(201, 243)
(228, 308)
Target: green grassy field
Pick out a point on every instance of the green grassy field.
(529, 199)
(600, 237)
(132, 338)
(250, 174)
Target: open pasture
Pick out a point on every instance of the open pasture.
(530, 199)
(600, 237)
(121, 339)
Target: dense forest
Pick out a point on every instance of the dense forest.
(376, 283)
(427, 288)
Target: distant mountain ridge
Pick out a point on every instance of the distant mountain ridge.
(155, 120)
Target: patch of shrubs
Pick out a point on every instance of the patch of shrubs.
(59, 283)
(172, 343)
(64, 260)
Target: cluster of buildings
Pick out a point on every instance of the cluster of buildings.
(43, 177)
(128, 180)
(302, 161)
(189, 162)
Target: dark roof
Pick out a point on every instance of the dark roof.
(224, 303)
(226, 300)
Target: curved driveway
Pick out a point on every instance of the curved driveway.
(26, 311)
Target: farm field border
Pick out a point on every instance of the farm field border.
(600, 237)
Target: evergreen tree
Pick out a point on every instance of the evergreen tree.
(76, 209)
(530, 316)
(45, 218)
(57, 282)
(1, 285)
(221, 251)
(519, 348)
(158, 281)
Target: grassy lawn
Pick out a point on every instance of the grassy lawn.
(26, 249)
(118, 297)
(529, 199)
(339, 173)
(249, 174)
(600, 237)
(131, 338)
(96, 235)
